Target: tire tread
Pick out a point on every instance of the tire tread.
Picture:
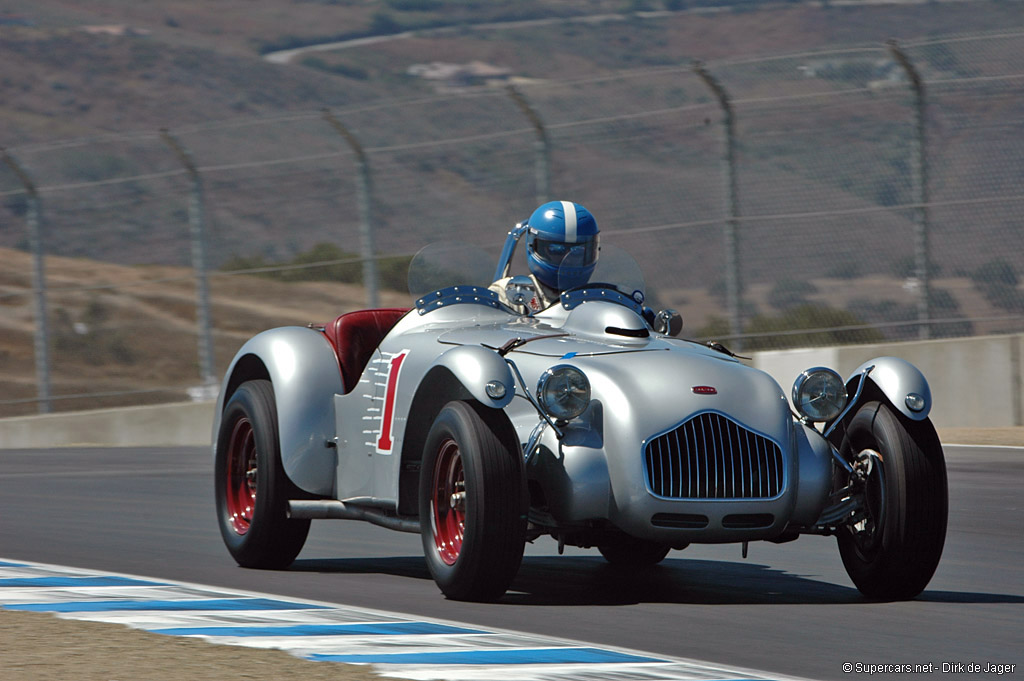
(914, 526)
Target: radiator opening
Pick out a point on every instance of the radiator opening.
(712, 457)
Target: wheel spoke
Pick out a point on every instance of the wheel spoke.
(867, 532)
(242, 477)
(448, 502)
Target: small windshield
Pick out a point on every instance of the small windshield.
(615, 269)
(443, 265)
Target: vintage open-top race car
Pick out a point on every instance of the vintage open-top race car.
(481, 424)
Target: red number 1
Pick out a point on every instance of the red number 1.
(384, 442)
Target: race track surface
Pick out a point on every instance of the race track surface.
(787, 609)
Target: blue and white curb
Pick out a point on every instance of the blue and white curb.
(396, 645)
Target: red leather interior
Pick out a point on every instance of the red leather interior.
(355, 335)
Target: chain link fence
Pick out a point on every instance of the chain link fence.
(804, 199)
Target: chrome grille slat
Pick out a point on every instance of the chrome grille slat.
(728, 454)
(675, 434)
(707, 460)
(672, 477)
(716, 432)
(733, 430)
(760, 468)
(762, 465)
(712, 457)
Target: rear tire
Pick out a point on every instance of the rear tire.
(472, 503)
(251, 487)
(893, 552)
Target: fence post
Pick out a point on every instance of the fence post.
(42, 337)
(198, 233)
(542, 162)
(919, 186)
(733, 281)
(364, 188)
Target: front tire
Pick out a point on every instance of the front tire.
(251, 487)
(472, 503)
(892, 552)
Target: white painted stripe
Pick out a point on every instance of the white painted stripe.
(569, 208)
(381, 645)
(11, 595)
(649, 671)
(169, 620)
(412, 655)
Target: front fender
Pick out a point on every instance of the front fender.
(475, 366)
(458, 374)
(303, 369)
(895, 379)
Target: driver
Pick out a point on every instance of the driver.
(561, 252)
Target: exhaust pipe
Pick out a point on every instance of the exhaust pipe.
(332, 508)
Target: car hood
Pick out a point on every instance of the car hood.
(595, 328)
(655, 382)
(541, 340)
(659, 389)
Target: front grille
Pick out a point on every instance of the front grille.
(713, 457)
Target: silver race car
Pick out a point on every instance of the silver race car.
(481, 425)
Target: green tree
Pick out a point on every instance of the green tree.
(803, 326)
(383, 23)
(325, 262)
(998, 271)
(997, 280)
(789, 293)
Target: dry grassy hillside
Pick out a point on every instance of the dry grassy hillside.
(130, 331)
(72, 69)
(121, 329)
(113, 66)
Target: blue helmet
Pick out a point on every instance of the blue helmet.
(562, 244)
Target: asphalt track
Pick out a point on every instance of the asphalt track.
(787, 609)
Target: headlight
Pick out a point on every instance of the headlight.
(819, 394)
(563, 392)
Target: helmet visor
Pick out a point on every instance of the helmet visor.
(580, 254)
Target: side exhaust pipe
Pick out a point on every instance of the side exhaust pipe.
(334, 509)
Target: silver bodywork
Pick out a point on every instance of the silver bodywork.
(897, 378)
(659, 404)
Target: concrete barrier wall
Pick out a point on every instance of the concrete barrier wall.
(975, 382)
(188, 423)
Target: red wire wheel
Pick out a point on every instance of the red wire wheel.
(448, 502)
(472, 502)
(251, 489)
(240, 492)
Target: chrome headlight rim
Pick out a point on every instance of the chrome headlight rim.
(819, 394)
(563, 392)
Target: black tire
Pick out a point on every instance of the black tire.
(893, 553)
(634, 553)
(473, 545)
(251, 487)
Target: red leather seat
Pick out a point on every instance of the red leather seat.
(355, 335)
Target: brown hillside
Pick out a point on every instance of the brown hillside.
(130, 331)
(122, 329)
